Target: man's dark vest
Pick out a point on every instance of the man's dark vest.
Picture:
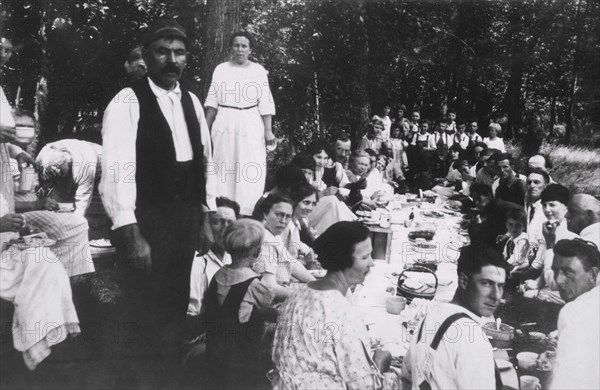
(155, 150)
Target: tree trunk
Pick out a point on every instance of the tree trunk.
(221, 18)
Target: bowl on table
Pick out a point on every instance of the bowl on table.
(500, 338)
(527, 360)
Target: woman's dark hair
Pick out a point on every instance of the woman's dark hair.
(317, 147)
(271, 200)
(244, 34)
(456, 148)
(304, 161)
(232, 204)
(335, 246)
(555, 192)
(301, 191)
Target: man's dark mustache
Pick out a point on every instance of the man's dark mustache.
(170, 69)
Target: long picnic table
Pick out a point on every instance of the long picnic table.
(393, 332)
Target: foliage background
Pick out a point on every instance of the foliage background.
(532, 65)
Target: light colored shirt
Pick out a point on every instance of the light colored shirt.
(203, 270)
(274, 259)
(535, 234)
(475, 137)
(462, 139)
(591, 233)
(463, 359)
(387, 124)
(119, 129)
(578, 350)
(6, 117)
(497, 143)
(519, 252)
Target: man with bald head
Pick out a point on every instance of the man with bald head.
(583, 217)
(540, 162)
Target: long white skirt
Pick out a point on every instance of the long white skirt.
(240, 156)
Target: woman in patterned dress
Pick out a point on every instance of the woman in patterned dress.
(321, 341)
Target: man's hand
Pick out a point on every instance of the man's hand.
(206, 239)
(12, 223)
(7, 134)
(382, 359)
(549, 232)
(134, 247)
(25, 158)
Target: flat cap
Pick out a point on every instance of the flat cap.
(164, 28)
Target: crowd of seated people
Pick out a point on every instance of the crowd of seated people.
(257, 270)
(35, 271)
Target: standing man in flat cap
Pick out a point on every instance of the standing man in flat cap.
(156, 189)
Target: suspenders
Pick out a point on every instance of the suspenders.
(436, 342)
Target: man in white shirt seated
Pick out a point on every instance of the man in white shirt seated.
(206, 266)
(576, 267)
(462, 357)
(583, 217)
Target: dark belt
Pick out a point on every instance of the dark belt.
(238, 108)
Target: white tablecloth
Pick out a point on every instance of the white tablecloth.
(392, 331)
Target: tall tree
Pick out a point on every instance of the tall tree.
(221, 18)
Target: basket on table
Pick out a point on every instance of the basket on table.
(409, 293)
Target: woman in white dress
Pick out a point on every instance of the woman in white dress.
(239, 107)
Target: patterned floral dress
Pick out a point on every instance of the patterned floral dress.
(321, 343)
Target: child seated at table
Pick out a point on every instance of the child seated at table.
(517, 246)
(237, 307)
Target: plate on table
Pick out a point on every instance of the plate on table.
(503, 365)
(32, 241)
(101, 243)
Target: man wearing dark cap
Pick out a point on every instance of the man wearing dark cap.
(157, 189)
(511, 188)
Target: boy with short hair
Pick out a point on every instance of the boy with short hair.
(517, 246)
